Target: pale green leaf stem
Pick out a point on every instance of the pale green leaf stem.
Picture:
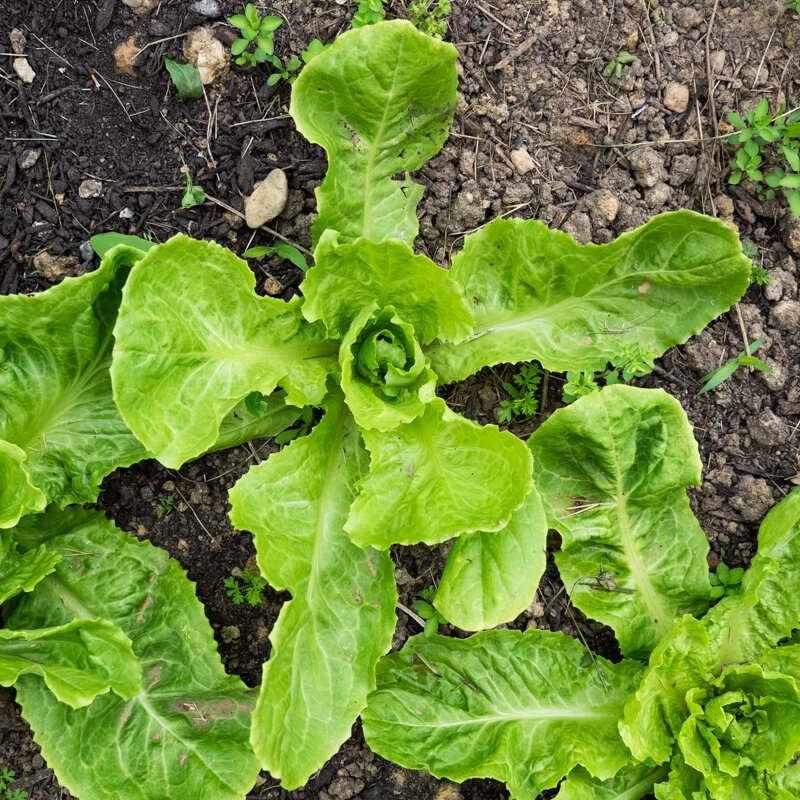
(341, 617)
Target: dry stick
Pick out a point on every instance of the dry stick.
(743, 330)
(763, 58)
(117, 96)
(208, 127)
(199, 521)
(516, 53)
(498, 21)
(656, 58)
(710, 79)
(411, 613)
(263, 227)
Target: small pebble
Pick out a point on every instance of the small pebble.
(29, 158)
(267, 200)
(206, 8)
(86, 250)
(126, 213)
(229, 633)
(676, 97)
(24, 70)
(146, 493)
(522, 161)
(90, 188)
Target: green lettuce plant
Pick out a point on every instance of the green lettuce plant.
(201, 362)
(377, 329)
(704, 706)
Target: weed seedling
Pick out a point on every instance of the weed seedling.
(767, 140)
(166, 506)
(192, 195)
(428, 16)
(614, 67)
(255, 45)
(725, 581)
(251, 588)
(758, 274)
(627, 362)
(287, 251)
(7, 777)
(369, 12)
(424, 607)
(522, 391)
(721, 374)
(793, 5)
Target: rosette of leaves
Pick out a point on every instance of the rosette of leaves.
(705, 706)
(376, 330)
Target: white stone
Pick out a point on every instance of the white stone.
(207, 53)
(29, 158)
(267, 200)
(140, 6)
(24, 70)
(18, 41)
(676, 97)
(90, 188)
(522, 160)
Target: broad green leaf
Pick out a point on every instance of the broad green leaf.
(747, 624)
(437, 477)
(491, 578)
(350, 277)
(20, 572)
(654, 715)
(186, 79)
(55, 389)
(522, 707)
(193, 339)
(341, 617)
(78, 661)
(612, 470)
(536, 294)
(385, 377)
(103, 242)
(379, 101)
(632, 782)
(18, 496)
(185, 733)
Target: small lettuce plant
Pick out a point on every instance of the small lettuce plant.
(705, 705)
(170, 353)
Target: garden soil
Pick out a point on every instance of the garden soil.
(538, 133)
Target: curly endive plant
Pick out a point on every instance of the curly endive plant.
(376, 330)
(713, 714)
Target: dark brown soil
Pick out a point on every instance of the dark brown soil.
(531, 79)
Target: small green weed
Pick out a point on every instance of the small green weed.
(721, 374)
(166, 506)
(765, 140)
(522, 391)
(287, 251)
(255, 45)
(614, 67)
(628, 361)
(424, 607)
(793, 5)
(758, 274)
(186, 79)
(192, 195)
(725, 581)
(428, 16)
(251, 588)
(7, 777)
(369, 12)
